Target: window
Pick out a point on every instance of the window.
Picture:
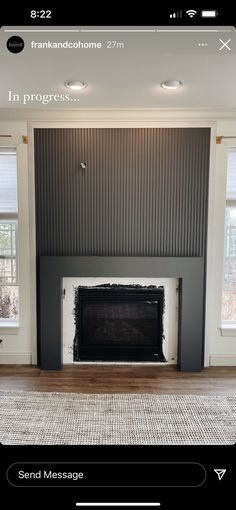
(9, 291)
(229, 284)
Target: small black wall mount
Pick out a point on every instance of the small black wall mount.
(189, 271)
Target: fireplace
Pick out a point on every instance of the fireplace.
(138, 211)
(188, 270)
(119, 323)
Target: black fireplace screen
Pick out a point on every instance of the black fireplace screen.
(118, 322)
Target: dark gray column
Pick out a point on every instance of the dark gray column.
(190, 270)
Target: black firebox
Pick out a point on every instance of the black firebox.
(119, 323)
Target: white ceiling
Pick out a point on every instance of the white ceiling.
(126, 77)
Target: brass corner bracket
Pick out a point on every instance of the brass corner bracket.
(220, 138)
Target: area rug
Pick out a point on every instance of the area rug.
(115, 419)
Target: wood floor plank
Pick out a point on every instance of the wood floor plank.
(120, 379)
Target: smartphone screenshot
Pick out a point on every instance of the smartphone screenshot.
(117, 257)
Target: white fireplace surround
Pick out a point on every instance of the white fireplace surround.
(170, 320)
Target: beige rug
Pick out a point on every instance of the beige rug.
(115, 419)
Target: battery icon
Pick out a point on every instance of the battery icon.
(208, 14)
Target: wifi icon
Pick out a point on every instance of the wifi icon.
(191, 13)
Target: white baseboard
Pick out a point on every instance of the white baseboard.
(224, 360)
(15, 358)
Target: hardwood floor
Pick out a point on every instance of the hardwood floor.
(120, 379)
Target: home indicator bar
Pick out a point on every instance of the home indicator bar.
(119, 504)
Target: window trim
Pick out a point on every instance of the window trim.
(228, 329)
(9, 328)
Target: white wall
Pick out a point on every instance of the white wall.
(20, 346)
(16, 345)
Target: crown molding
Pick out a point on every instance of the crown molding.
(124, 115)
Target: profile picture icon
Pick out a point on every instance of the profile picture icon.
(15, 44)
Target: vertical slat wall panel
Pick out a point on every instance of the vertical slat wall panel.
(143, 192)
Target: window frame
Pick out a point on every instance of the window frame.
(227, 328)
(10, 217)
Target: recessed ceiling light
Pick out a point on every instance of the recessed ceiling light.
(75, 85)
(171, 84)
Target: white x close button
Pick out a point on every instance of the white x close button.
(224, 45)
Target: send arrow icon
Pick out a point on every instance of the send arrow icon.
(220, 473)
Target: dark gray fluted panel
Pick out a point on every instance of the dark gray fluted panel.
(143, 193)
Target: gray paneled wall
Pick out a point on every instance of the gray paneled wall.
(143, 191)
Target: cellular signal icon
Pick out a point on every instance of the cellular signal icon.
(177, 14)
